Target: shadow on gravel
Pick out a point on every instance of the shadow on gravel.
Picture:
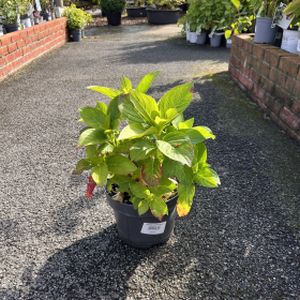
(96, 267)
(169, 50)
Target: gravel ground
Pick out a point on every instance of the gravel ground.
(241, 241)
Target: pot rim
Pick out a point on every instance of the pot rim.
(163, 10)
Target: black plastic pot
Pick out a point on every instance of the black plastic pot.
(11, 27)
(45, 15)
(264, 32)
(113, 18)
(75, 35)
(142, 231)
(136, 12)
(163, 16)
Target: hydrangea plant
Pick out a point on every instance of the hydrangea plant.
(156, 156)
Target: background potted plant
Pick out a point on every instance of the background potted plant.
(77, 19)
(150, 167)
(265, 31)
(162, 12)
(46, 9)
(291, 36)
(137, 9)
(113, 11)
(10, 11)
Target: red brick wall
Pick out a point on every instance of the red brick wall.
(21, 47)
(271, 77)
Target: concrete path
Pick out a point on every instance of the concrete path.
(241, 241)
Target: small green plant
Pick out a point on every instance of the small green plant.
(10, 9)
(242, 20)
(112, 5)
(265, 8)
(77, 18)
(165, 4)
(293, 9)
(156, 156)
(46, 5)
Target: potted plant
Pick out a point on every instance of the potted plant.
(10, 11)
(137, 9)
(291, 36)
(265, 31)
(162, 12)
(150, 167)
(241, 22)
(77, 19)
(113, 11)
(46, 9)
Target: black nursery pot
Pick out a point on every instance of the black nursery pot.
(142, 231)
(11, 27)
(113, 18)
(75, 35)
(136, 12)
(163, 16)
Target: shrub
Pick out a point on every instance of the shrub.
(155, 156)
(9, 9)
(112, 5)
(165, 4)
(77, 18)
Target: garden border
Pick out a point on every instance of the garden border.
(19, 48)
(271, 77)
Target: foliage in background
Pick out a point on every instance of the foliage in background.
(46, 5)
(165, 4)
(77, 18)
(10, 9)
(156, 155)
(112, 5)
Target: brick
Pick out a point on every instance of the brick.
(246, 82)
(296, 90)
(272, 56)
(278, 77)
(3, 51)
(264, 69)
(15, 36)
(294, 135)
(21, 43)
(5, 40)
(290, 65)
(290, 84)
(12, 47)
(278, 121)
(296, 107)
(258, 91)
(253, 75)
(282, 95)
(259, 50)
(288, 117)
(274, 105)
(267, 84)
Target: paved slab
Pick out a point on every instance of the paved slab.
(241, 241)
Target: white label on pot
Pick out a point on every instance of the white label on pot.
(153, 228)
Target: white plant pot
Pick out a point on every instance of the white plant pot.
(26, 22)
(298, 45)
(193, 37)
(290, 41)
(229, 43)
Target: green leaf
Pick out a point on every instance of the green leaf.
(114, 113)
(110, 93)
(158, 207)
(185, 199)
(126, 85)
(178, 98)
(145, 106)
(205, 132)
(139, 190)
(172, 169)
(143, 206)
(129, 112)
(92, 136)
(151, 171)
(200, 156)
(91, 151)
(183, 153)
(134, 131)
(102, 107)
(177, 120)
(93, 117)
(236, 3)
(186, 124)
(121, 165)
(100, 173)
(146, 82)
(141, 150)
(228, 34)
(82, 165)
(207, 177)
(122, 182)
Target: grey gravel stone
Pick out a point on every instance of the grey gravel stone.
(241, 241)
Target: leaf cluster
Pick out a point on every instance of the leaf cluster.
(10, 9)
(76, 17)
(112, 5)
(165, 4)
(156, 155)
